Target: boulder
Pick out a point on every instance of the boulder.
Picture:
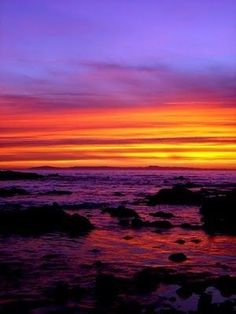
(6, 175)
(162, 214)
(178, 257)
(121, 212)
(176, 195)
(218, 214)
(38, 220)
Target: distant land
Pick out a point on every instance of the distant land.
(124, 168)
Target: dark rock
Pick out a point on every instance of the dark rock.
(118, 194)
(121, 212)
(226, 285)
(180, 178)
(163, 224)
(178, 257)
(38, 220)
(218, 214)
(6, 175)
(85, 205)
(226, 307)
(189, 185)
(61, 292)
(128, 307)
(162, 214)
(185, 291)
(128, 237)
(108, 287)
(196, 241)
(176, 195)
(13, 191)
(124, 222)
(57, 192)
(180, 241)
(147, 280)
(204, 303)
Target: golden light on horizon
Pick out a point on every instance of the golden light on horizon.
(174, 134)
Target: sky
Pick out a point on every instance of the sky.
(118, 83)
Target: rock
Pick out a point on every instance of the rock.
(118, 194)
(178, 257)
(128, 237)
(226, 285)
(128, 307)
(38, 220)
(180, 241)
(162, 224)
(85, 205)
(6, 175)
(176, 195)
(146, 280)
(188, 185)
(57, 192)
(121, 212)
(204, 303)
(108, 287)
(12, 191)
(162, 214)
(180, 178)
(218, 214)
(184, 292)
(196, 241)
(137, 223)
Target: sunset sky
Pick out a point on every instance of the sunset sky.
(118, 83)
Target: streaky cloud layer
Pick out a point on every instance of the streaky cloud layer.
(119, 83)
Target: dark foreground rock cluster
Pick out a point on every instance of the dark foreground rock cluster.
(218, 213)
(176, 195)
(6, 175)
(138, 294)
(44, 219)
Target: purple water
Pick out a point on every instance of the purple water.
(74, 258)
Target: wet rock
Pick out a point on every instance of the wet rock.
(178, 257)
(180, 241)
(128, 307)
(118, 194)
(162, 224)
(17, 175)
(226, 307)
(62, 292)
(137, 223)
(13, 191)
(196, 241)
(108, 287)
(57, 193)
(147, 280)
(127, 237)
(176, 195)
(226, 285)
(38, 220)
(121, 212)
(180, 178)
(205, 303)
(189, 185)
(85, 205)
(185, 291)
(218, 214)
(162, 214)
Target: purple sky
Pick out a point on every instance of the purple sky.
(130, 50)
